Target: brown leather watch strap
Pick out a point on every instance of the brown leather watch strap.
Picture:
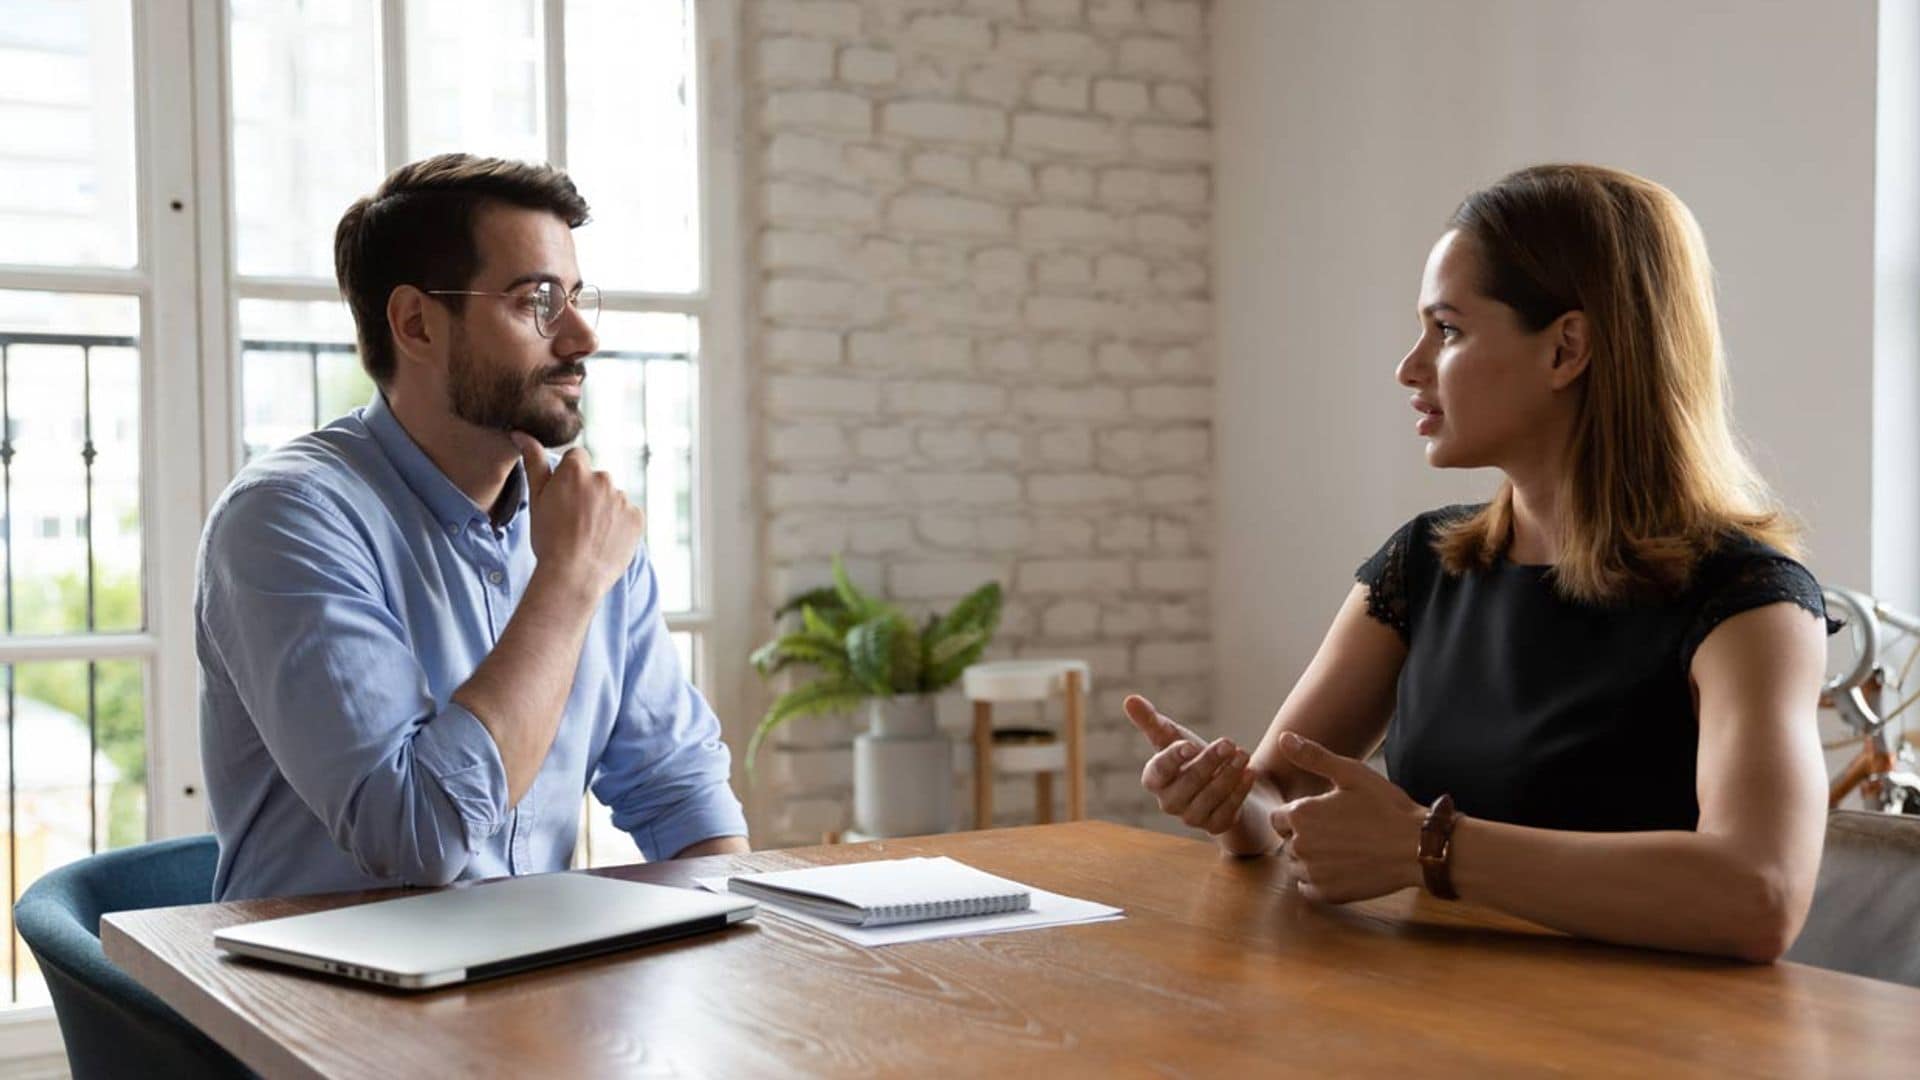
(1436, 847)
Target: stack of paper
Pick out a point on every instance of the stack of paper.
(849, 883)
(887, 891)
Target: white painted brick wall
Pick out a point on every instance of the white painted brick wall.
(981, 232)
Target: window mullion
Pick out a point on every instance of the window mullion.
(725, 554)
(555, 46)
(171, 404)
(219, 375)
(63, 279)
(695, 304)
(393, 81)
(291, 288)
(53, 648)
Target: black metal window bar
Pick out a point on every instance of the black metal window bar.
(86, 344)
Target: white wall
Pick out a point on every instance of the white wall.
(982, 346)
(1346, 133)
(1896, 315)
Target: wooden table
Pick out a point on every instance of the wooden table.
(1219, 969)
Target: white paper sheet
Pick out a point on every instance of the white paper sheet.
(1048, 909)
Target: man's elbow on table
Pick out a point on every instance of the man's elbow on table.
(418, 838)
(415, 866)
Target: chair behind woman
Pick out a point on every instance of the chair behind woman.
(1865, 918)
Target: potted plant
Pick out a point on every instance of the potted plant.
(865, 651)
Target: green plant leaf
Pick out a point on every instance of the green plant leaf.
(823, 599)
(816, 623)
(907, 660)
(825, 651)
(954, 646)
(951, 656)
(870, 652)
(823, 695)
(979, 611)
(857, 603)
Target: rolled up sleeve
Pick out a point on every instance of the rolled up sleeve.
(665, 771)
(291, 602)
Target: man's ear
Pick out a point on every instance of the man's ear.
(1572, 340)
(411, 324)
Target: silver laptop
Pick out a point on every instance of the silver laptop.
(479, 931)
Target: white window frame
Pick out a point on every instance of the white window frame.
(190, 402)
(170, 494)
(724, 537)
(170, 485)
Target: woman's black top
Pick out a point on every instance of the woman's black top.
(1535, 710)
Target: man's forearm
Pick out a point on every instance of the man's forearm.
(519, 692)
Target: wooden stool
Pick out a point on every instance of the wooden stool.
(1028, 750)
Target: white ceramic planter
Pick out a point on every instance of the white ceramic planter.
(902, 770)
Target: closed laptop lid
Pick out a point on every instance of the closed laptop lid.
(482, 925)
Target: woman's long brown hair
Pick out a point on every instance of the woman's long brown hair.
(1653, 478)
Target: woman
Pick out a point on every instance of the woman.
(1602, 683)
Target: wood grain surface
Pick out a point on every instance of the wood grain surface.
(1219, 968)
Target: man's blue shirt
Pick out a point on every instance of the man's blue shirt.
(346, 589)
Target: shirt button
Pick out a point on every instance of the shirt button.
(453, 530)
(495, 576)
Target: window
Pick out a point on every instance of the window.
(169, 185)
(81, 337)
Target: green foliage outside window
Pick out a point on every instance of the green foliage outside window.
(59, 604)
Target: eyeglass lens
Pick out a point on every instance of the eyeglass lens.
(549, 305)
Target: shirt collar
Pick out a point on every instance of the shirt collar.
(450, 505)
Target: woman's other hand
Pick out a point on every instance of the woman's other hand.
(1203, 784)
(1359, 840)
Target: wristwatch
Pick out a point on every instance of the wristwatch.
(1436, 845)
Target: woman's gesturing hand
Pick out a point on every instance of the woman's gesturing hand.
(1359, 840)
(1203, 784)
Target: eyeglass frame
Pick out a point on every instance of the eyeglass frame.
(543, 327)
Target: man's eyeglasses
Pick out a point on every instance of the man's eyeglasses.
(547, 303)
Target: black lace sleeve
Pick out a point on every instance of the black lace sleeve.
(1758, 583)
(1385, 576)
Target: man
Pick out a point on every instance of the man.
(419, 638)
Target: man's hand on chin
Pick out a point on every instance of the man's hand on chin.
(719, 845)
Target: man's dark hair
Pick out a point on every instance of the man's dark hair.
(417, 229)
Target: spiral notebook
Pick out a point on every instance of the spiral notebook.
(886, 892)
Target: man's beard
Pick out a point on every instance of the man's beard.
(507, 401)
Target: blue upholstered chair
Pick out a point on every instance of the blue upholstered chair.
(112, 1026)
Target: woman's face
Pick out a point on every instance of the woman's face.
(1484, 387)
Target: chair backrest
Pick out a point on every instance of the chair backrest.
(112, 1026)
(1866, 904)
(1012, 681)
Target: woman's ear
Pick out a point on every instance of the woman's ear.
(1572, 348)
